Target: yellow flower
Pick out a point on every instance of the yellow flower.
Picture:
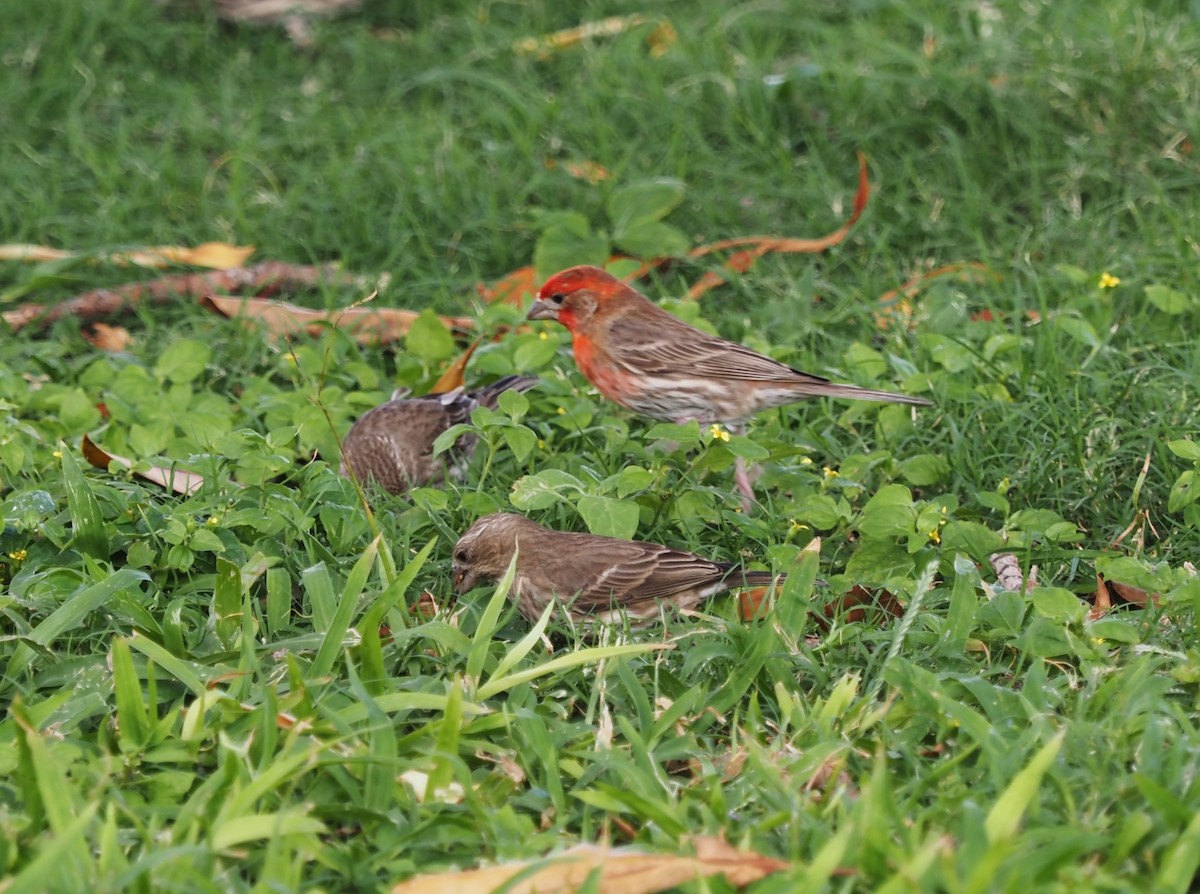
(562, 411)
(541, 444)
(18, 555)
(1108, 281)
(718, 433)
(829, 473)
(543, 335)
(935, 535)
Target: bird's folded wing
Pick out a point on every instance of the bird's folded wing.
(630, 572)
(693, 353)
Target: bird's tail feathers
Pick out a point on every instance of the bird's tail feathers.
(489, 394)
(759, 578)
(853, 392)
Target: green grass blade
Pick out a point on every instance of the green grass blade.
(133, 723)
(496, 685)
(1005, 816)
(482, 640)
(347, 608)
(87, 521)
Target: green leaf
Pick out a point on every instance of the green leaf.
(645, 200)
(628, 481)
(514, 403)
(822, 511)
(543, 490)
(1185, 448)
(520, 440)
(1057, 604)
(446, 439)
(429, 339)
(1079, 329)
(652, 239)
(608, 516)
(533, 353)
(924, 469)
(87, 522)
(976, 540)
(182, 360)
(890, 513)
(866, 362)
(1168, 300)
(1184, 492)
(567, 242)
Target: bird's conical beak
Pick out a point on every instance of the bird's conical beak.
(464, 579)
(542, 310)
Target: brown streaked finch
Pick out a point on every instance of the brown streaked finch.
(393, 443)
(643, 358)
(594, 578)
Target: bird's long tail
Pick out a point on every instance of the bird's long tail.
(853, 392)
(489, 394)
(756, 578)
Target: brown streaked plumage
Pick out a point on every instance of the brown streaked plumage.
(643, 358)
(393, 443)
(594, 577)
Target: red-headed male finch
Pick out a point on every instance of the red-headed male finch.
(655, 364)
(393, 443)
(595, 578)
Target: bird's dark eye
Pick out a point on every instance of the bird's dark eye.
(558, 297)
(460, 556)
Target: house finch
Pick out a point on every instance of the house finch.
(655, 364)
(594, 577)
(393, 443)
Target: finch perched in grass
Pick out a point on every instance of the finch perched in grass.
(393, 443)
(595, 578)
(655, 364)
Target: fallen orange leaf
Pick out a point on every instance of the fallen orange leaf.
(512, 289)
(1135, 595)
(176, 480)
(606, 870)
(660, 39)
(374, 325)
(591, 171)
(453, 377)
(217, 255)
(1102, 603)
(107, 338)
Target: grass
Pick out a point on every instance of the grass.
(222, 692)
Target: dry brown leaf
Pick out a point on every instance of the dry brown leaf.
(853, 605)
(1134, 595)
(176, 480)
(107, 338)
(268, 277)
(512, 289)
(1102, 603)
(591, 171)
(619, 871)
(750, 602)
(453, 377)
(217, 255)
(660, 39)
(374, 325)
